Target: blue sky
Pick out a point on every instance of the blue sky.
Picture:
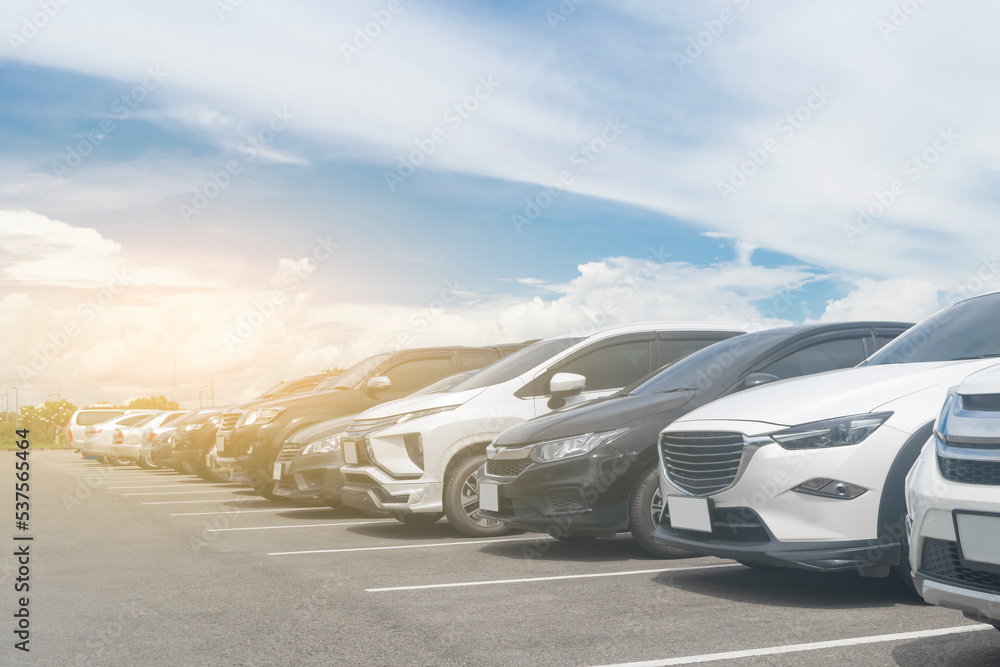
(712, 158)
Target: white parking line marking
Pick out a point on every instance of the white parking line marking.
(173, 486)
(297, 525)
(557, 578)
(179, 493)
(270, 509)
(224, 500)
(795, 648)
(408, 546)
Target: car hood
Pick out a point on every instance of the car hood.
(426, 402)
(983, 382)
(834, 394)
(600, 415)
(322, 430)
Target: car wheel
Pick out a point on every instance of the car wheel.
(103, 459)
(461, 500)
(118, 461)
(417, 520)
(145, 461)
(644, 515)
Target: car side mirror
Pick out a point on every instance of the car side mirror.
(757, 379)
(566, 384)
(377, 385)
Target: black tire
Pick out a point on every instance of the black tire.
(418, 520)
(644, 514)
(145, 461)
(118, 461)
(461, 500)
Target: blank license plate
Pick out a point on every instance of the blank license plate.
(351, 452)
(489, 496)
(689, 513)
(979, 537)
(277, 471)
(220, 445)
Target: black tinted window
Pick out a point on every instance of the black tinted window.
(611, 367)
(474, 360)
(132, 420)
(827, 356)
(672, 350)
(967, 330)
(409, 376)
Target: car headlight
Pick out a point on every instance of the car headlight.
(188, 428)
(839, 432)
(262, 416)
(575, 446)
(409, 416)
(323, 445)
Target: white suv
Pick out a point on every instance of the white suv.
(417, 457)
(953, 503)
(810, 472)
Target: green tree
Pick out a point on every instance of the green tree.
(152, 403)
(48, 420)
(336, 369)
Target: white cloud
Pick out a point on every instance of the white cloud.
(902, 299)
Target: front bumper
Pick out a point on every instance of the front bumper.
(585, 495)
(369, 488)
(253, 450)
(940, 575)
(759, 518)
(303, 477)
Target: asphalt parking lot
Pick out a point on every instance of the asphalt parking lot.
(134, 567)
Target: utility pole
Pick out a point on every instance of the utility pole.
(173, 387)
(213, 392)
(199, 399)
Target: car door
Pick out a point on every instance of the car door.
(608, 365)
(409, 373)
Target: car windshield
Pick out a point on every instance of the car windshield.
(967, 330)
(355, 375)
(701, 369)
(516, 364)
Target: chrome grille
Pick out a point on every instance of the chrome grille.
(289, 451)
(507, 467)
(355, 434)
(702, 462)
(229, 420)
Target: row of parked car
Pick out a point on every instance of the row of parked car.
(821, 447)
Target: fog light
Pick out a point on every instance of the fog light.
(415, 448)
(830, 488)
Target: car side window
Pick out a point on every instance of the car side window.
(410, 375)
(825, 356)
(674, 349)
(612, 366)
(474, 360)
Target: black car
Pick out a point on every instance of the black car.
(591, 470)
(250, 440)
(195, 436)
